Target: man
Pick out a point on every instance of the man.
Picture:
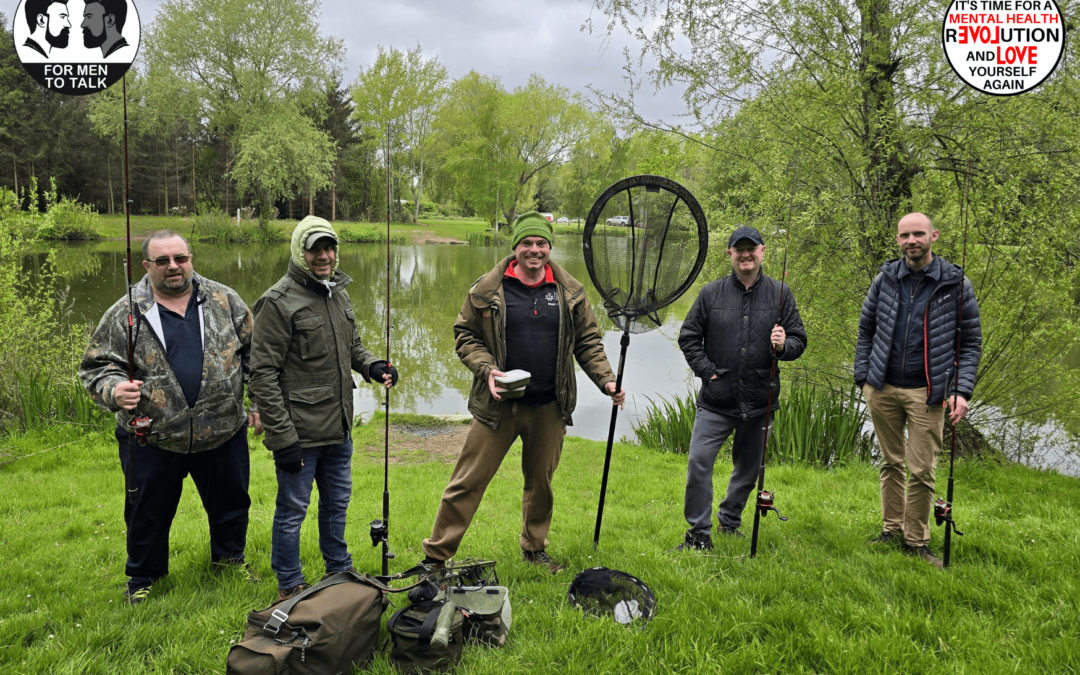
(904, 363)
(304, 350)
(527, 313)
(49, 25)
(192, 337)
(730, 339)
(103, 25)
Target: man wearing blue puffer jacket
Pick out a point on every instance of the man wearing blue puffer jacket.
(904, 361)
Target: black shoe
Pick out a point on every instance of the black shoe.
(326, 576)
(925, 553)
(730, 531)
(225, 566)
(885, 537)
(433, 563)
(542, 559)
(692, 542)
(138, 595)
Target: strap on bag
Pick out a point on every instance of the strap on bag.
(426, 629)
(281, 614)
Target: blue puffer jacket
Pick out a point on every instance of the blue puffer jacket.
(879, 318)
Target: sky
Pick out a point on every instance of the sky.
(510, 39)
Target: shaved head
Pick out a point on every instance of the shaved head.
(916, 236)
(915, 219)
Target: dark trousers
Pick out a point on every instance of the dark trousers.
(221, 476)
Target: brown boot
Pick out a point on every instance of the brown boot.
(284, 594)
(925, 553)
(542, 559)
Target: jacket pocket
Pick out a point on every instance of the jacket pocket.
(311, 334)
(719, 392)
(758, 392)
(315, 413)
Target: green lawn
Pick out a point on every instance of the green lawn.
(817, 599)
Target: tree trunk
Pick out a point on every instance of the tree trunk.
(419, 191)
(15, 168)
(333, 197)
(193, 201)
(165, 184)
(310, 200)
(108, 167)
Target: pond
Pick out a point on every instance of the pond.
(428, 284)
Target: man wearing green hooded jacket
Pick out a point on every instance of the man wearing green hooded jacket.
(303, 351)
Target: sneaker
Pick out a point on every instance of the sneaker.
(730, 531)
(886, 537)
(229, 566)
(925, 553)
(542, 559)
(433, 563)
(694, 543)
(136, 596)
(284, 594)
(326, 576)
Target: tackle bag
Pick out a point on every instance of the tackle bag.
(487, 613)
(427, 637)
(327, 629)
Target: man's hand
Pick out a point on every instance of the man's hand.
(491, 382)
(289, 459)
(127, 394)
(958, 409)
(778, 337)
(254, 421)
(618, 399)
(386, 372)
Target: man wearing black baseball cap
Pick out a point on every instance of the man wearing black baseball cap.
(730, 338)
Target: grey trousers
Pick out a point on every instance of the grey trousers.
(710, 431)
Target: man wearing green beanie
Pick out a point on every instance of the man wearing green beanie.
(527, 314)
(303, 345)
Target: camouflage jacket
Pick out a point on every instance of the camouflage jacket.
(219, 411)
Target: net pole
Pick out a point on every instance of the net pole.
(386, 431)
(132, 485)
(624, 343)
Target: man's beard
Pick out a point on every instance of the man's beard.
(91, 41)
(916, 255)
(165, 289)
(59, 41)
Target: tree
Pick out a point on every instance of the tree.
(404, 90)
(251, 69)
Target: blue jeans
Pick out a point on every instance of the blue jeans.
(331, 468)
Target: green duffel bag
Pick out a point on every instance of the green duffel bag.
(426, 637)
(329, 628)
(487, 613)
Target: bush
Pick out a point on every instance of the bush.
(814, 427)
(487, 238)
(68, 220)
(369, 233)
(214, 225)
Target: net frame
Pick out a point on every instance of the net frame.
(590, 584)
(630, 318)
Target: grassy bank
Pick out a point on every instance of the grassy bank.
(817, 599)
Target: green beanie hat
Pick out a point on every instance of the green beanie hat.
(531, 224)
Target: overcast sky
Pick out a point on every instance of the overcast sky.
(510, 39)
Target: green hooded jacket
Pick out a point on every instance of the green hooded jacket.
(480, 332)
(303, 351)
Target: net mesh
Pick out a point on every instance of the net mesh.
(645, 242)
(600, 591)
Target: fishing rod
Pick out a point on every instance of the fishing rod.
(139, 425)
(380, 529)
(765, 498)
(943, 507)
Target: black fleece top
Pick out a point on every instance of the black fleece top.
(532, 336)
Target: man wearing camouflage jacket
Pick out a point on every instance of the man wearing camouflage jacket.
(192, 338)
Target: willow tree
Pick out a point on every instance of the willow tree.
(250, 70)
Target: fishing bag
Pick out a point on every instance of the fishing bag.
(327, 629)
(411, 632)
(487, 613)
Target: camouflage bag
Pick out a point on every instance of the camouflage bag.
(427, 637)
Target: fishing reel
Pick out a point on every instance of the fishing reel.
(943, 514)
(380, 534)
(765, 504)
(140, 426)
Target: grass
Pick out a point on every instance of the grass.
(817, 598)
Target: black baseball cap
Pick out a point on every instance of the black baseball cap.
(745, 232)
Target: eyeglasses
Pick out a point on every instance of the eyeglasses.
(164, 261)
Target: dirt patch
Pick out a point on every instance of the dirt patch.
(420, 237)
(415, 444)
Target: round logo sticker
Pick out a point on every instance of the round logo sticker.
(1003, 47)
(76, 47)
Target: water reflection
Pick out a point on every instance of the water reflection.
(427, 286)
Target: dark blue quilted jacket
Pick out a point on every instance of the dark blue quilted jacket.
(878, 321)
(726, 333)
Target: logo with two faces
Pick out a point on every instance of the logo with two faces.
(76, 47)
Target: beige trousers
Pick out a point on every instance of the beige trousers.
(541, 430)
(892, 409)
